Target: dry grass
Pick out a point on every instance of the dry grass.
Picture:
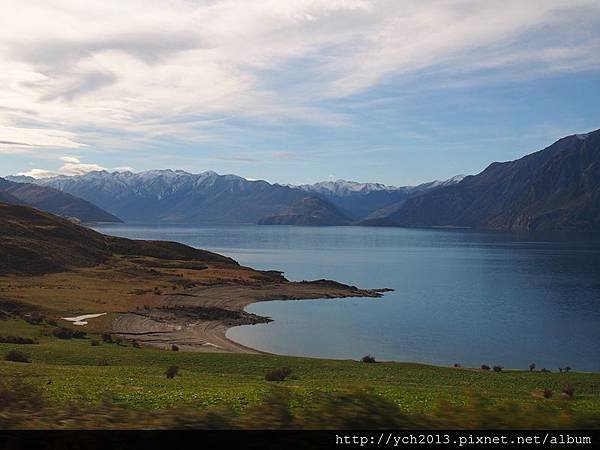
(121, 286)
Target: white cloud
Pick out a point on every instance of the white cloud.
(70, 159)
(39, 173)
(22, 140)
(72, 166)
(77, 73)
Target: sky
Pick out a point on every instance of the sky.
(293, 91)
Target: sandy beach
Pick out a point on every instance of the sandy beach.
(199, 319)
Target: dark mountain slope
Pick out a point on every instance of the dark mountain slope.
(552, 189)
(5, 197)
(52, 200)
(308, 211)
(35, 242)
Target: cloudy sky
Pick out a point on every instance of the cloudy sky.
(293, 91)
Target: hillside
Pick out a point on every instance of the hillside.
(308, 211)
(33, 242)
(53, 201)
(557, 188)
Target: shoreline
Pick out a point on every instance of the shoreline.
(198, 320)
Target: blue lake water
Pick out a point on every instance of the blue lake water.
(460, 296)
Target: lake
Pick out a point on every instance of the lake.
(460, 296)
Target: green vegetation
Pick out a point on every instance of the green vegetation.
(68, 372)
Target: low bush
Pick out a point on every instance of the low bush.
(547, 393)
(107, 337)
(172, 372)
(67, 333)
(95, 343)
(485, 367)
(531, 367)
(34, 318)
(568, 392)
(280, 374)
(498, 368)
(368, 359)
(136, 344)
(16, 340)
(16, 356)
(174, 348)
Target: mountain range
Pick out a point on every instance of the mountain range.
(52, 200)
(557, 188)
(175, 196)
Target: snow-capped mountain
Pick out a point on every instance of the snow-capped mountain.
(209, 198)
(343, 187)
(177, 196)
(361, 200)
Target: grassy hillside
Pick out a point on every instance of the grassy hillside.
(74, 370)
(34, 242)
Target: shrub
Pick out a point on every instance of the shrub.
(568, 392)
(368, 359)
(567, 369)
(498, 368)
(485, 367)
(531, 367)
(16, 340)
(457, 366)
(547, 393)
(174, 348)
(279, 374)
(117, 340)
(95, 343)
(16, 356)
(52, 323)
(136, 344)
(34, 318)
(544, 370)
(67, 333)
(107, 337)
(171, 372)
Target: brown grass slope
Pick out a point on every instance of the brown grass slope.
(34, 242)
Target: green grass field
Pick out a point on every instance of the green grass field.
(74, 370)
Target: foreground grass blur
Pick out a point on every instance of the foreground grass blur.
(23, 406)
